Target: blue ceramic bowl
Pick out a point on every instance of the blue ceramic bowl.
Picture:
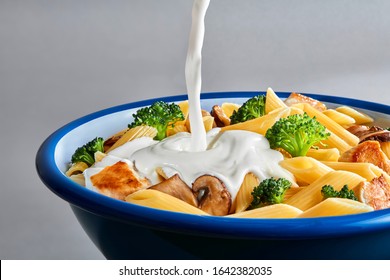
(124, 231)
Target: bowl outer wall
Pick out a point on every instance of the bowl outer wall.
(50, 173)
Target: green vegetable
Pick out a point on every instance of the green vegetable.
(251, 109)
(270, 191)
(329, 191)
(296, 134)
(158, 115)
(86, 152)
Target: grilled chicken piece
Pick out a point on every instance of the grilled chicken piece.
(118, 181)
(374, 133)
(375, 193)
(368, 151)
(296, 98)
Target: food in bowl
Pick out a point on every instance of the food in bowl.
(265, 158)
(120, 229)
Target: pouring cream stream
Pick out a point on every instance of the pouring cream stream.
(193, 74)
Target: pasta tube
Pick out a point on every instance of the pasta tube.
(261, 124)
(338, 117)
(331, 154)
(273, 102)
(163, 201)
(244, 195)
(305, 169)
(311, 195)
(332, 126)
(368, 171)
(76, 168)
(336, 207)
(134, 133)
(229, 108)
(272, 211)
(359, 117)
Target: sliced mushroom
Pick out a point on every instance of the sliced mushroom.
(220, 117)
(213, 196)
(374, 133)
(375, 193)
(174, 186)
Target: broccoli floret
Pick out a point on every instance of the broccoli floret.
(158, 115)
(86, 152)
(269, 191)
(296, 134)
(329, 191)
(251, 109)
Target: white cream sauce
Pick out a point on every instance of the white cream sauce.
(229, 155)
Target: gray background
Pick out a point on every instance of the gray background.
(60, 60)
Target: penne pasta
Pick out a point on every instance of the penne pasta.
(385, 146)
(331, 154)
(272, 211)
(76, 168)
(338, 117)
(292, 191)
(99, 156)
(336, 207)
(262, 124)
(163, 201)
(184, 107)
(295, 111)
(311, 195)
(78, 178)
(273, 102)
(244, 195)
(229, 108)
(335, 141)
(133, 133)
(306, 170)
(178, 127)
(208, 122)
(366, 170)
(332, 126)
(359, 117)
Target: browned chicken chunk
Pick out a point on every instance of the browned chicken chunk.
(375, 193)
(296, 98)
(118, 180)
(368, 151)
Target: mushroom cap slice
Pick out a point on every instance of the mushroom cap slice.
(220, 117)
(176, 187)
(373, 133)
(215, 198)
